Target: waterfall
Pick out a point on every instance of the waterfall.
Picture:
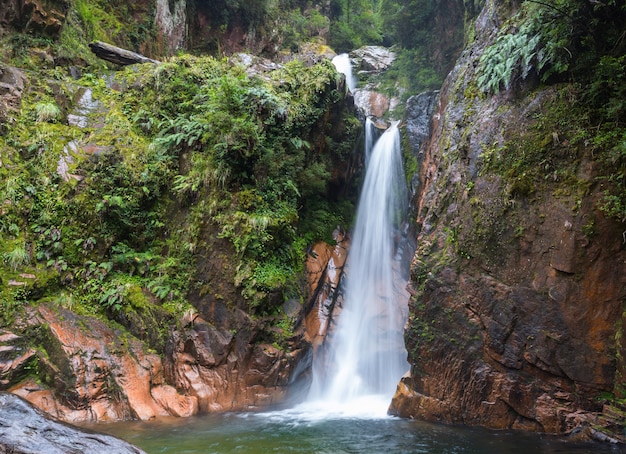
(343, 65)
(366, 355)
(371, 134)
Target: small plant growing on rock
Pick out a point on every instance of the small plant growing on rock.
(17, 258)
(47, 112)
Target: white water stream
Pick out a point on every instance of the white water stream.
(366, 356)
(371, 134)
(343, 65)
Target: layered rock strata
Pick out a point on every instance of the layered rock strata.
(324, 270)
(517, 305)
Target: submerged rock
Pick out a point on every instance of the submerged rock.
(26, 430)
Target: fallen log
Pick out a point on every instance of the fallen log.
(118, 55)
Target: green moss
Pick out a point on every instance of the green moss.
(186, 147)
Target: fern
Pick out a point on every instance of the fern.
(539, 45)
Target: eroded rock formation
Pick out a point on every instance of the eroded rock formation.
(517, 305)
(324, 270)
(370, 61)
(94, 373)
(28, 16)
(91, 372)
(225, 369)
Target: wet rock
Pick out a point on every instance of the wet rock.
(91, 374)
(173, 402)
(86, 109)
(373, 58)
(26, 430)
(316, 261)
(418, 121)
(368, 62)
(513, 319)
(372, 103)
(324, 270)
(419, 112)
(226, 371)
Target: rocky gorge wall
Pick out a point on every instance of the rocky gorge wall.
(518, 283)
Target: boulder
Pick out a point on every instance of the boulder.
(368, 62)
(28, 430)
(371, 102)
(12, 82)
(372, 59)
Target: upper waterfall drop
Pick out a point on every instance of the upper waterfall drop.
(343, 65)
(366, 355)
(371, 134)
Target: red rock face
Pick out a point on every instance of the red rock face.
(226, 371)
(517, 305)
(324, 268)
(40, 16)
(95, 374)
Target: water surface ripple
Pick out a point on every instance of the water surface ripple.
(307, 431)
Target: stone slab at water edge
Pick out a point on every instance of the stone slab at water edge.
(24, 429)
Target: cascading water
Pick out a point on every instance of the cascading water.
(343, 65)
(366, 356)
(371, 132)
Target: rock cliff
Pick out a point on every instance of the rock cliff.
(518, 279)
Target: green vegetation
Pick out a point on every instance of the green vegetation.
(190, 180)
(354, 23)
(559, 40)
(243, 158)
(535, 42)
